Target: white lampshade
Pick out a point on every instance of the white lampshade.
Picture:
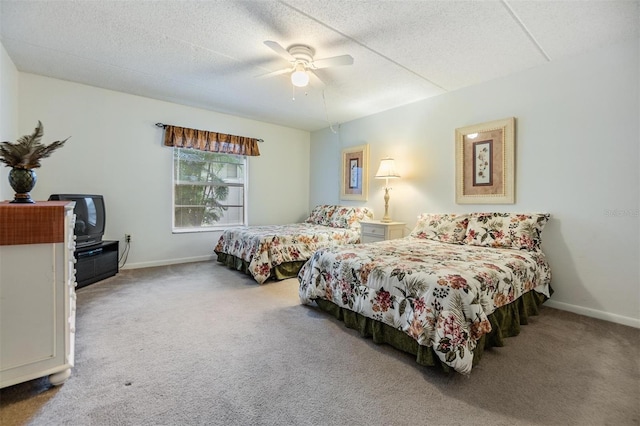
(299, 77)
(387, 169)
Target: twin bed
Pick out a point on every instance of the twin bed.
(456, 285)
(279, 251)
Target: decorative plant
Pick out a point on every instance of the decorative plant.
(27, 151)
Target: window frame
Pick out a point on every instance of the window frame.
(217, 227)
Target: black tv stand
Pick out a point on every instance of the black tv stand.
(96, 262)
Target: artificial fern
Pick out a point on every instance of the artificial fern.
(27, 152)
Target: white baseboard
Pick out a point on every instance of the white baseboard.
(167, 262)
(594, 313)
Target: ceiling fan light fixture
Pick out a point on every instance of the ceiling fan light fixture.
(300, 77)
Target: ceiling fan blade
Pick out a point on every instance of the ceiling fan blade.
(275, 46)
(334, 61)
(275, 73)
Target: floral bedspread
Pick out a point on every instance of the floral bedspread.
(438, 293)
(265, 247)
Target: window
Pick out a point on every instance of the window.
(209, 190)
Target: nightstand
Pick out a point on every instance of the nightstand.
(374, 230)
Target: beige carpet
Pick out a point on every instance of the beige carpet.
(201, 344)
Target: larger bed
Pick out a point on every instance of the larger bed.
(279, 251)
(457, 284)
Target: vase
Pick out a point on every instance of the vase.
(22, 181)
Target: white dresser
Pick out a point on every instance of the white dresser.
(37, 291)
(375, 230)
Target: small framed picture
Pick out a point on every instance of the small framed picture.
(355, 165)
(485, 163)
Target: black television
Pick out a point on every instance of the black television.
(90, 217)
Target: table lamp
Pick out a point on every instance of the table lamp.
(387, 170)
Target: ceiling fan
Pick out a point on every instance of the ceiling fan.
(302, 67)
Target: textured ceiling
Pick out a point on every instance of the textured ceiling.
(209, 54)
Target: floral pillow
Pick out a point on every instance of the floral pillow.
(447, 228)
(321, 214)
(339, 216)
(506, 230)
(350, 217)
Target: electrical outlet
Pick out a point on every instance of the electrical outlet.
(127, 238)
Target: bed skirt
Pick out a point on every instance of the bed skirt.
(505, 322)
(280, 272)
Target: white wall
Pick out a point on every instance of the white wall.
(8, 113)
(116, 150)
(577, 157)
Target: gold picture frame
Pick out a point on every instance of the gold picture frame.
(485, 163)
(354, 184)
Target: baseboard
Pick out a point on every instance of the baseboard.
(594, 313)
(168, 262)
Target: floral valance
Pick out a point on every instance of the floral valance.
(182, 137)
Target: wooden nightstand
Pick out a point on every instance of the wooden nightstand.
(374, 230)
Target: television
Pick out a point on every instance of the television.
(90, 217)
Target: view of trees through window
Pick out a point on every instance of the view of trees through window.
(209, 189)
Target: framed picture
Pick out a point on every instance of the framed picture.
(355, 168)
(485, 163)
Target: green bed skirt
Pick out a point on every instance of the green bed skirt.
(279, 272)
(505, 322)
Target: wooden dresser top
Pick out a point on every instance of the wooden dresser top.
(39, 223)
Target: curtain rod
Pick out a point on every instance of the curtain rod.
(165, 125)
